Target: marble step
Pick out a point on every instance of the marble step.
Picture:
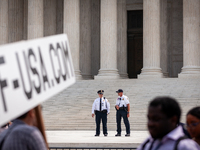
(71, 109)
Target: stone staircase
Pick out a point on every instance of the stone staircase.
(71, 109)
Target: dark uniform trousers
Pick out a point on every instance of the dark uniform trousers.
(119, 115)
(99, 116)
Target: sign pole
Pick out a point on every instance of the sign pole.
(40, 123)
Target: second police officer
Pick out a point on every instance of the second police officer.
(123, 107)
(101, 108)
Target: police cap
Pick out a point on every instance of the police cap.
(120, 90)
(100, 91)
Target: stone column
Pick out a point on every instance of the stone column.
(86, 38)
(151, 40)
(72, 29)
(35, 19)
(16, 20)
(163, 38)
(25, 34)
(191, 37)
(122, 38)
(49, 17)
(108, 54)
(3, 22)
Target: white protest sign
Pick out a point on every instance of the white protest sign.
(31, 72)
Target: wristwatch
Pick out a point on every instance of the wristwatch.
(127, 112)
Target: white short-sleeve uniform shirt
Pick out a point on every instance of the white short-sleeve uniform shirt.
(122, 101)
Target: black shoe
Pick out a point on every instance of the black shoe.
(105, 134)
(127, 135)
(96, 135)
(118, 134)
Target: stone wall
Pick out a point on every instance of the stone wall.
(95, 36)
(134, 4)
(85, 38)
(89, 38)
(176, 38)
(53, 17)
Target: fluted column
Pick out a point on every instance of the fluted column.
(151, 40)
(163, 38)
(122, 38)
(86, 39)
(25, 34)
(191, 37)
(50, 17)
(16, 20)
(108, 54)
(3, 22)
(72, 29)
(35, 19)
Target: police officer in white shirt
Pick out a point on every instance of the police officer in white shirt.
(101, 108)
(123, 108)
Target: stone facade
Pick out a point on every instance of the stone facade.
(176, 41)
(97, 32)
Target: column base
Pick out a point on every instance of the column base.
(165, 74)
(190, 72)
(123, 75)
(148, 73)
(87, 76)
(107, 74)
(78, 75)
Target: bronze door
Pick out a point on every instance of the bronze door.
(135, 43)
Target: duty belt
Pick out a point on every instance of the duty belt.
(104, 111)
(122, 108)
(98, 111)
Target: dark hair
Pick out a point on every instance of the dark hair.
(3, 126)
(169, 106)
(23, 116)
(194, 112)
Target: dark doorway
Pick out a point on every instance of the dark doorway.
(135, 42)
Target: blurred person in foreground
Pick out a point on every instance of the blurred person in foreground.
(193, 123)
(163, 117)
(22, 135)
(3, 128)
